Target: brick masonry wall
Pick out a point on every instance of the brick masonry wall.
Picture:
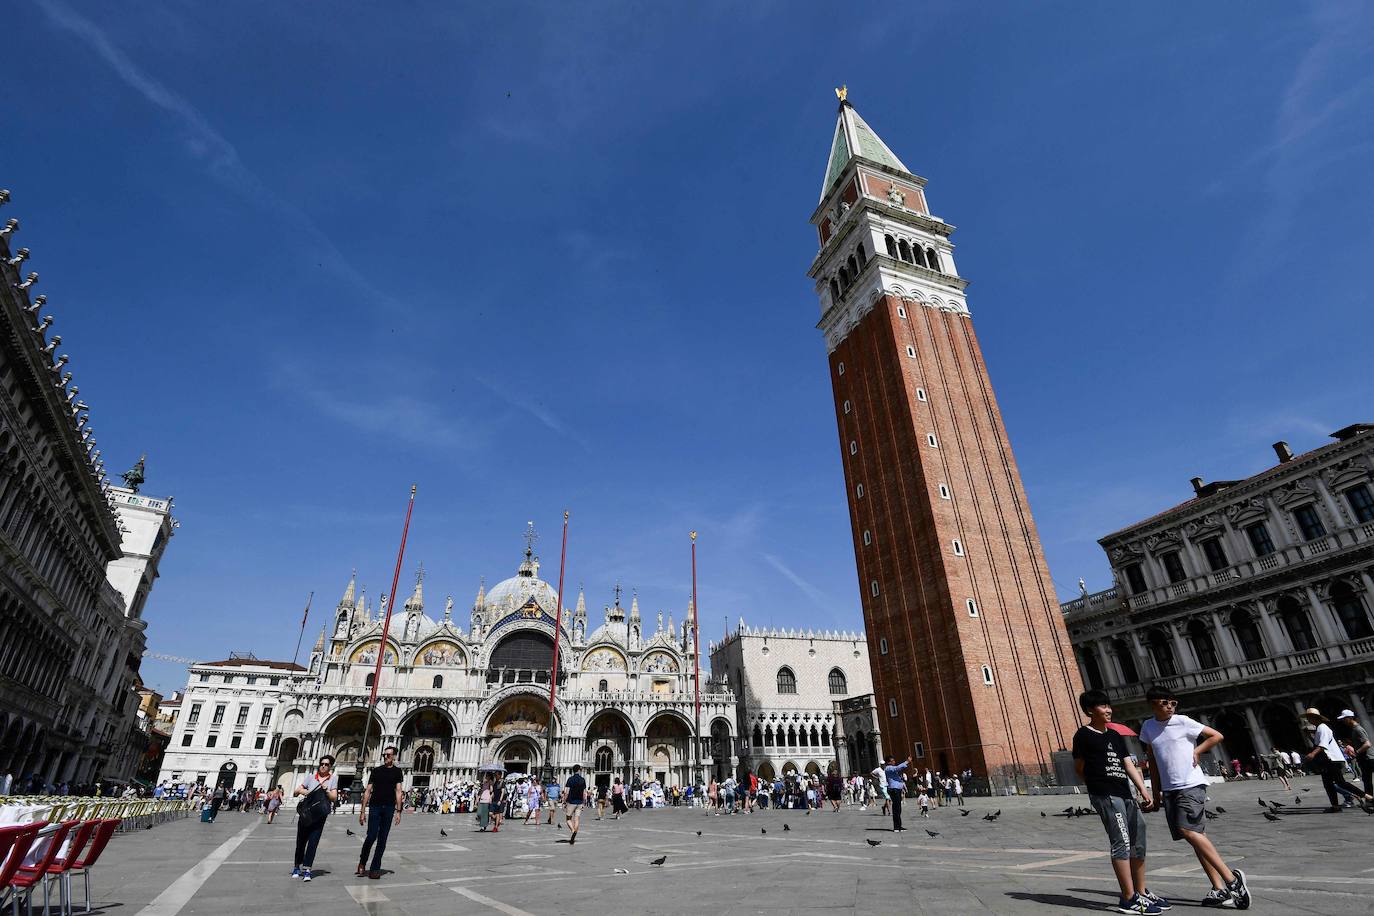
(933, 668)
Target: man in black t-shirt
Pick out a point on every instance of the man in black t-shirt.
(1106, 767)
(381, 804)
(573, 800)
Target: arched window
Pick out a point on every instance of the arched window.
(1247, 634)
(787, 681)
(891, 244)
(918, 256)
(1203, 645)
(791, 736)
(839, 685)
(367, 681)
(815, 737)
(825, 736)
(863, 256)
(758, 736)
(844, 278)
(933, 259)
(834, 289)
(438, 681)
(424, 760)
(1351, 611)
(904, 250)
(1162, 653)
(1297, 624)
(768, 736)
(603, 685)
(604, 760)
(853, 267)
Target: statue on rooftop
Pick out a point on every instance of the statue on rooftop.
(133, 478)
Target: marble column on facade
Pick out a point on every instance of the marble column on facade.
(1225, 640)
(1111, 677)
(1258, 735)
(1184, 659)
(1144, 663)
(1274, 634)
(1321, 618)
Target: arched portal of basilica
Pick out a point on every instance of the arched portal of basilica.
(453, 699)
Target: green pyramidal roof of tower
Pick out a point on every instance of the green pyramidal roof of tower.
(854, 137)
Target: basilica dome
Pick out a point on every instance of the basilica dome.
(513, 593)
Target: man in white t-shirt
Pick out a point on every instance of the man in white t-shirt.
(1180, 787)
(1329, 761)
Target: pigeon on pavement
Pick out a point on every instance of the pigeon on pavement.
(764, 831)
(443, 832)
(1270, 817)
(785, 828)
(698, 833)
(349, 832)
(1262, 802)
(659, 861)
(622, 871)
(932, 833)
(1042, 814)
(965, 813)
(1297, 799)
(873, 842)
(1220, 810)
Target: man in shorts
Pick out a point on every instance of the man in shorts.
(1107, 770)
(551, 793)
(1180, 787)
(573, 800)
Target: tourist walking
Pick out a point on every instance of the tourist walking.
(381, 807)
(1359, 749)
(895, 779)
(834, 789)
(273, 803)
(321, 790)
(573, 801)
(498, 803)
(1180, 787)
(1106, 768)
(534, 794)
(618, 806)
(602, 790)
(1329, 762)
(484, 797)
(551, 793)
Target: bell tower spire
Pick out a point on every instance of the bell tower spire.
(966, 636)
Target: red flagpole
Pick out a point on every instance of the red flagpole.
(386, 629)
(304, 617)
(557, 629)
(696, 657)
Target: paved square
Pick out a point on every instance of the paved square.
(1020, 863)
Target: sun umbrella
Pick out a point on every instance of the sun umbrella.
(491, 768)
(1122, 729)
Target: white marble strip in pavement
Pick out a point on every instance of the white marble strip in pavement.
(1062, 860)
(487, 901)
(170, 901)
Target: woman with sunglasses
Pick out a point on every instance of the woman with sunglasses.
(321, 789)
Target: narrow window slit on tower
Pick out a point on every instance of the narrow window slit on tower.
(853, 447)
(932, 441)
(868, 537)
(921, 394)
(846, 406)
(911, 351)
(944, 492)
(972, 608)
(958, 548)
(901, 311)
(987, 675)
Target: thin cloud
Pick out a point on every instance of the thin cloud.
(536, 410)
(208, 146)
(807, 588)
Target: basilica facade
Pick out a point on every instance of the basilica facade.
(454, 698)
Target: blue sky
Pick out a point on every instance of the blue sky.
(531, 257)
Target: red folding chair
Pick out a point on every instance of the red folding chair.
(62, 865)
(103, 832)
(15, 842)
(25, 877)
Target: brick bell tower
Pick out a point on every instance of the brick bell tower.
(971, 663)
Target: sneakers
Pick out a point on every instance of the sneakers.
(1137, 905)
(305, 874)
(296, 872)
(1218, 897)
(1154, 898)
(1240, 892)
(573, 838)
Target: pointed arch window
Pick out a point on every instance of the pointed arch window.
(768, 736)
(787, 681)
(825, 736)
(791, 736)
(424, 760)
(839, 684)
(758, 736)
(815, 737)
(604, 760)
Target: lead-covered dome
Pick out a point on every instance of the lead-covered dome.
(513, 593)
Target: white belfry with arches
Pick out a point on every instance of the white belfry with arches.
(455, 698)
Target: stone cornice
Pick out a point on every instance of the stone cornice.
(1261, 482)
(850, 169)
(851, 223)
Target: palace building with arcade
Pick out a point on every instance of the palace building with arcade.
(453, 698)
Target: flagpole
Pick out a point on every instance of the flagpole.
(386, 629)
(557, 629)
(696, 658)
(304, 617)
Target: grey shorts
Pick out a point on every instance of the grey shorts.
(1124, 824)
(1183, 810)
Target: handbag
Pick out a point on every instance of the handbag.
(314, 808)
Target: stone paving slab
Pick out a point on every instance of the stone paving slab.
(1021, 863)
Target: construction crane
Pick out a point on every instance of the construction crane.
(169, 658)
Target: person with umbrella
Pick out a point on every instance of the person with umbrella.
(1106, 767)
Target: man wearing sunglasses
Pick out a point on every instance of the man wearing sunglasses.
(1180, 787)
(381, 804)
